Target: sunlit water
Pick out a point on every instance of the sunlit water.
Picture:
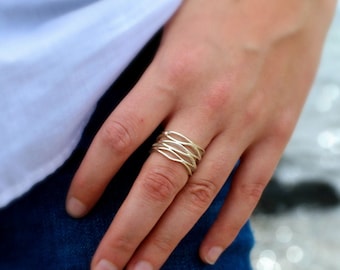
(308, 238)
(298, 240)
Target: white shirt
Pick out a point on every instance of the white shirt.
(57, 58)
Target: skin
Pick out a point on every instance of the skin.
(233, 77)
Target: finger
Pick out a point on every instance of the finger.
(253, 174)
(126, 128)
(158, 183)
(153, 191)
(188, 206)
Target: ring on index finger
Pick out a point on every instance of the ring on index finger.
(177, 147)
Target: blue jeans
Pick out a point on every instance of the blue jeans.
(36, 233)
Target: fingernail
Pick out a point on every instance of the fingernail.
(75, 208)
(213, 255)
(105, 265)
(142, 265)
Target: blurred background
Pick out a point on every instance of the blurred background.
(297, 222)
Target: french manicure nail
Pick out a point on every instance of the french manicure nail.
(213, 255)
(105, 265)
(142, 265)
(75, 208)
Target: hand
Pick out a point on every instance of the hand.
(230, 75)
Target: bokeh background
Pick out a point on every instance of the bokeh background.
(297, 223)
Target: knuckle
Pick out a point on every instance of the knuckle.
(202, 192)
(160, 183)
(117, 136)
(122, 243)
(284, 126)
(164, 243)
(187, 67)
(252, 192)
(254, 110)
(251, 115)
(183, 68)
(218, 97)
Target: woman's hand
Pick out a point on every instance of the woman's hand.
(230, 75)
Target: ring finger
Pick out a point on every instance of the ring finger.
(188, 206)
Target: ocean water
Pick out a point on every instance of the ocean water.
(308, 239)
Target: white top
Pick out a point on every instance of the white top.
(57, 58)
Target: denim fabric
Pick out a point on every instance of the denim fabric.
(36, 233)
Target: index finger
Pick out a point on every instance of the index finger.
(125, 129)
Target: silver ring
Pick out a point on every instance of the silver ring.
(176, 147)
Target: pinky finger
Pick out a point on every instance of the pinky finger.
(251, 178)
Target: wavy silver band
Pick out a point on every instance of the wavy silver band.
(179, 148)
